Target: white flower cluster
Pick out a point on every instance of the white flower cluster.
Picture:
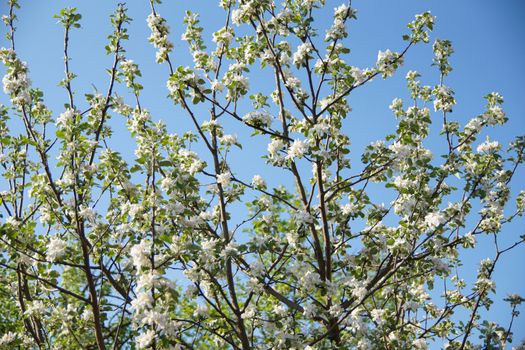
(397, 107)
(405, 204)
(228, 140)
(484, 283)
(358, 288)
(303, 217)
(309, 281)
(223, 36)
(212, 125)
(56, 248)
(66, 118)
(328, 64)
(246, 10)
(302, 53)
(444, 99)
(203, 61)
(420, 344)
(442, 51)
(388, 62)
(224, 179)
(359, 75)
(274, 147)
(16, 81)
(322, 128)
(88, 214)
(145, 339)
(140, 255)
(130, 70)
(129, 67)
(420, 27)
(217, 86)
(145, 314)
(495, 115)
(36, 308)
(137, 121)
(183, 79)
(8, 338)
(193, 33)
(350, 209)
(378, 315)
(258, 118)
(195, 165)
(488, 146)
(401, 150)
(492, 212)
(434, 220)
(159, 36)
(338, 29)
(292, 82)
(229, 250)
(201, 311)
(236, 82)
(258, 182)
(277, 24)
(297, 149)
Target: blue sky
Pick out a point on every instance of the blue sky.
(489, 55)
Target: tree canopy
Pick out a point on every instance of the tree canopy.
(172, 247)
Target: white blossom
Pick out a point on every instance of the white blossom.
(129, 67)
(248, 313)
(56, 248)
(145, 339)
(87, 315)
(229, 250)
(159, 36)
(36, 308)
(444, 99)
(388, 61)
(8, 338)
(140, 254)
(166, 183)
(261, 119)
(258, 181)
(378, 315)
(274, 147)
(309, 310)
(142, 301)
(420, 344)
(228, 140)
(302, 217)
(297, 149)
(433, 220)
(302, 53)
(134, 209)
(349, 209)
(310, 280)
(217, 85)
(224, 179)
(87, 213)
(488, 146)
(223, 35)
(66, 117)
(401, 151)
(148, 280)
(13, 221)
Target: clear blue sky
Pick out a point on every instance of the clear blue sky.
(489, 56)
